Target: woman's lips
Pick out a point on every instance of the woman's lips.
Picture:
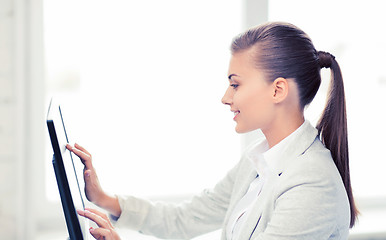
(236, 113)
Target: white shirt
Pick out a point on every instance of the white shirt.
(264, 160)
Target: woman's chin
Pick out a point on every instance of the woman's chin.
(241, 130)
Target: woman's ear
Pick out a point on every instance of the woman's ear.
(280, 89)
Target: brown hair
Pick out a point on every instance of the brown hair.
(286, 51)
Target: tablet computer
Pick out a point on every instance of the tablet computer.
(68, 173)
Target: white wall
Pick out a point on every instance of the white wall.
(10, 181)
(21, 121)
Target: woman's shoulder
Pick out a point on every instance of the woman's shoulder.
(315, 164)
(317, 155)
(314, 175)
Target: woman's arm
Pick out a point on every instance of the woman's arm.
(110, 204)
(203, 213)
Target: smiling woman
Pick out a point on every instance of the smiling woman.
(295, 183)
(131, 51)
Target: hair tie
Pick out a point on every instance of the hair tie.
(325, 59)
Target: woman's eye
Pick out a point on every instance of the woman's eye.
(234, 85)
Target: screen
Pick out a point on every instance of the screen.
(69, 174)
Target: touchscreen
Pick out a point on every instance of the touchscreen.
(73, 168)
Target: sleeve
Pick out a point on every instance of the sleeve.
(312, 206)
(202, 214)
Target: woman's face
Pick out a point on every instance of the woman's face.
(249, 94)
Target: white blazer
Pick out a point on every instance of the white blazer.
(303, 199)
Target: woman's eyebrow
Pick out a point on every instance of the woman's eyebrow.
(232, 75)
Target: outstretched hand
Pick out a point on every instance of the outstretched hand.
(93, 189)
(105, 230)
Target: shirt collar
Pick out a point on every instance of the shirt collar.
(267, 160)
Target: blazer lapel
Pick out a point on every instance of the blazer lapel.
(249, 177)
(243, 188)
(261, 205)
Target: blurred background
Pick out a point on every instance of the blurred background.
(140, 84)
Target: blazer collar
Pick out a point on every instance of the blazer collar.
(274, 159)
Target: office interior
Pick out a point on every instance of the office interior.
(140, 83)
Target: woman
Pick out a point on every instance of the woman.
(295, 184)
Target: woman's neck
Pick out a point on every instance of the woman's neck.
(282, 128)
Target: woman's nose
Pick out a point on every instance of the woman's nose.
(226, 99)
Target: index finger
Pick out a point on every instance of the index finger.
(81, 148)
(102, 215)
(100, 221)
(86, 158)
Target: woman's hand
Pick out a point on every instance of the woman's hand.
(106, 230)
(93, 189)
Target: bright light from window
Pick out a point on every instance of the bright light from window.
(140, 84)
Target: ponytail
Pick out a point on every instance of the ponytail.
(332, 126)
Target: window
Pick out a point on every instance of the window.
(140, 84)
